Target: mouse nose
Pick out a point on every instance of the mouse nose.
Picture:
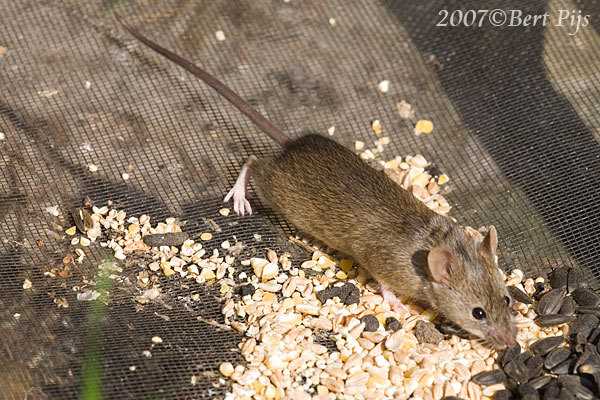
(507, 338)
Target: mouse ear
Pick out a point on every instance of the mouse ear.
(439, 261)
(489, 245)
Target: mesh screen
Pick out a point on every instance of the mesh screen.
(515, 127)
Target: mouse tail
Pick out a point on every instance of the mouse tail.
(259, 120)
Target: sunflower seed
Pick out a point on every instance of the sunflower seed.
(487, 378)
(540, 381)
(536, 366)
(558, 277)
(564, 367)
(585, 324)
(556, 356)
(165, 239)
(82, 218)
(552, 389)
(551, 302)
(573, 385)
(544, 346)
(503, 395)
(593, 338)
(509, 354)
(518, 295)
(553, 319)
(568, 307)
(589, 310)
(589, 356)
(517, 370)
(575, 279)
(585, 297)
(528, 392)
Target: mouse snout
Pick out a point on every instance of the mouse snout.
(504, 338)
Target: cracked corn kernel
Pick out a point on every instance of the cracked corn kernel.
(226, 369)
(206, 236)
(423, 126)
(376, 127)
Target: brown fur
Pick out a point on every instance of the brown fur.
(328, 192)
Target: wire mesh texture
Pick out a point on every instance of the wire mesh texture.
(516, 127)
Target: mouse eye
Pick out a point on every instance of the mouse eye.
(507, 300)
(478, 313)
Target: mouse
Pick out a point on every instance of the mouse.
(330, 193)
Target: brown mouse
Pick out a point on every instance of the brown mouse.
(327, 191)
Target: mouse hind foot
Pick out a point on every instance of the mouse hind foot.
(241, 205)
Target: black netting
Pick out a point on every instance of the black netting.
(515, 127)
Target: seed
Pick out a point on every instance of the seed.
(510, 354)
(392, 324)
(442, 179)
(247, 290)
(544, 346)
(585, 323)
(309, 309)
(528, 392)
(552, 389)
(564, 367)
(573, 385)
(374, 337)
(220, 35)
(518, 295)
(269, 271)
(589, 310)
(540, 381)
(156, 339)
(568, 307)
(226, 369)
(575, 279)
(556, 356)
(503, 395)
(383, 86)
(517, 370)
(585, 297)
(535, 365)
(395, 340)
(425, 332)
(349, 294)
(558, 278)
(489, 377)
(593, 338)
(165, 239)
(206, 236)
(553, 319)
(405, 110)
(423, 126)
(551, 302)
(371, 323)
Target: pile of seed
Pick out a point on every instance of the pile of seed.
(556, 367)
(422, 179)
(319, 330)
